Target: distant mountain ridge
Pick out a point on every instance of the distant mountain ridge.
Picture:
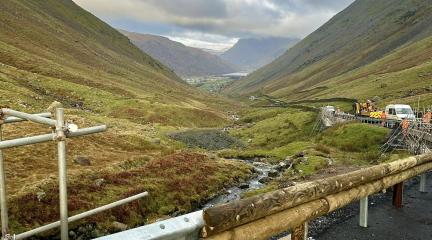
(372, 48)
(252, 53)
(183, 60)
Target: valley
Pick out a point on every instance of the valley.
(215, 84)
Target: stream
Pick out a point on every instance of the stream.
(234, 193)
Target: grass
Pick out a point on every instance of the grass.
(276, 128)
(354, 137)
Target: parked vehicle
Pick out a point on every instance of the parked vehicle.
(399, 112)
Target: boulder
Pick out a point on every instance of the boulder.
(40, 195)
(98, 182)
(82, 160)
(283, 166)
(300, 154)
(273, 173)
(119, 226)
(264, 180)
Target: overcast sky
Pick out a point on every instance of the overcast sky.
(216, 24)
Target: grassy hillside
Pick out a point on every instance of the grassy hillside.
(54, 50)
(355, 54)
(185, 61)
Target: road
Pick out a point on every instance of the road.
(412, 222)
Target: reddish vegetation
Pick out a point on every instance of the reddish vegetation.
(178, 182)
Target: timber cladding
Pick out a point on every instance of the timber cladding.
(266, 215)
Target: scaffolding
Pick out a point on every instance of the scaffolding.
(60, 132)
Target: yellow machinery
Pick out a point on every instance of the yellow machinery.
(367, 109)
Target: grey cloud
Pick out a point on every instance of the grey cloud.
(193, 8)
(234, 18)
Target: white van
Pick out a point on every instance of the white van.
(399, 112)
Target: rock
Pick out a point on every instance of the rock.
(72, 234)
(40, 195)
(82, 229)
(82, 160)
(258, 164)
(300, 154)
(273, 173)
(264, 180)
(119, 226)
(98, 182)
(96, 233)
(305, 160)
(282, 166)
(257, 171)
(244, 186)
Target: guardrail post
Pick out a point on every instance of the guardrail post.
(398, 195)
(3, 199)
(300, 232)
(364, 212)
(61, 147)
(423, 183)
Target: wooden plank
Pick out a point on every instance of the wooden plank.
(271, 225)
(226, 216)
(398, 195)
(300, 232)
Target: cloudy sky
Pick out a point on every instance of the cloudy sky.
(216, 24)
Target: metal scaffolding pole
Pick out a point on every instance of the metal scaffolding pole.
(49, 137)
(30, 117)
(61, 147)
(16, 119)
(3, 199)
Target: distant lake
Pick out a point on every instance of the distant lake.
(237, 74)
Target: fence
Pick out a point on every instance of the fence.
(61, 131)
(266, 215)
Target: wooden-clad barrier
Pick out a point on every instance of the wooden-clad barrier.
(263, 216)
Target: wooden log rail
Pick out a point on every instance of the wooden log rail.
(266, 215)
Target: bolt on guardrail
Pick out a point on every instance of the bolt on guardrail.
(61, 132)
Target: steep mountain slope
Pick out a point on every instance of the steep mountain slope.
(185, 61)
(359, 48)
(252, 53)
(85, 58)
(54, 50)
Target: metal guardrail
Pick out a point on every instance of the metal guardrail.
(186, 227)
